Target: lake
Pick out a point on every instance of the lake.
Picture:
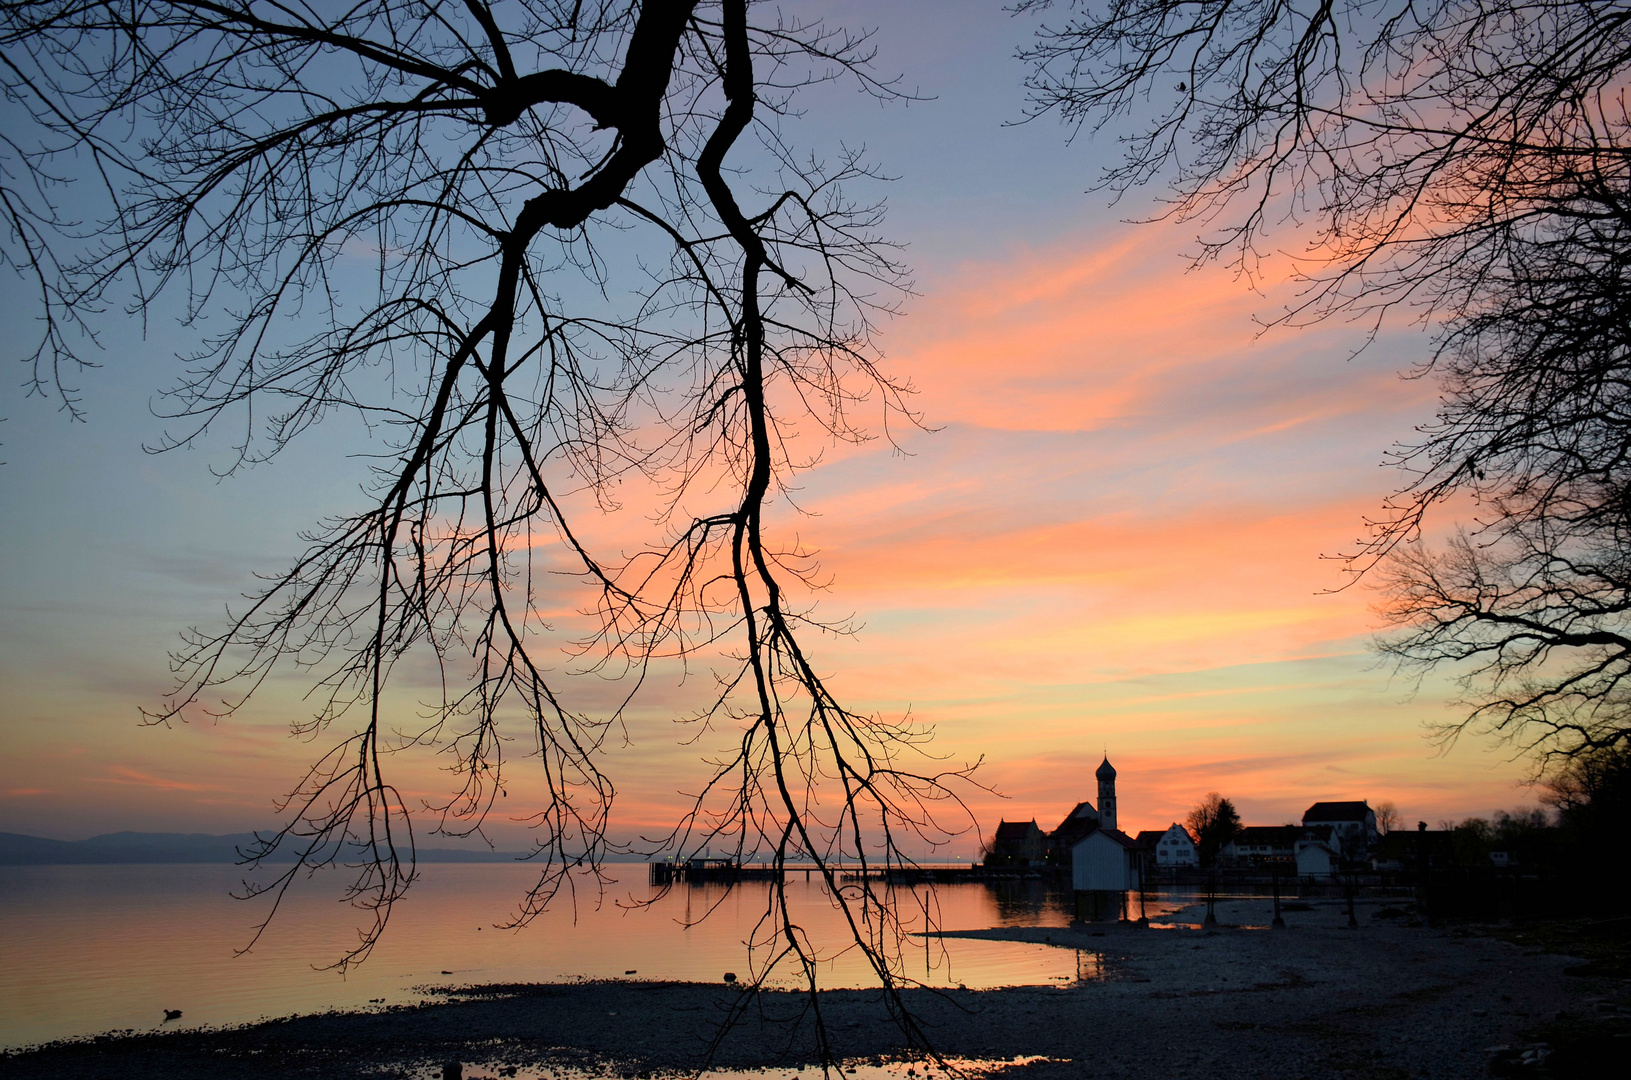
(85, 949)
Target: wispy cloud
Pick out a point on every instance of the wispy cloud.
(1117, 333)
(125, 774)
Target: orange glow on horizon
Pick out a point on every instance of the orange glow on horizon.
(1110, 539)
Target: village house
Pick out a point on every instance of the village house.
(1267, 846)
(1018, 842)
(1352, 825)
(1104, 861)
(1171, 848)
(1318, 853)
(1107, 861)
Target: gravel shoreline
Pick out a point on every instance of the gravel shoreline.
(1387, 1001)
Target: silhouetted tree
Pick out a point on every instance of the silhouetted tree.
(1592, 797)
(1529, 836)
(1387, 816)
(542, 249)
(1601, 780)
(1471, 839)
(1213, 823)
(1591, 794)
(1468, 161)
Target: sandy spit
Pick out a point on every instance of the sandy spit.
(1387, 1001)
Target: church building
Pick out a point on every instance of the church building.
(1105, 864)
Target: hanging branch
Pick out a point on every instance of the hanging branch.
(508, 173)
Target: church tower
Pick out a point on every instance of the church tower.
(1107, 794)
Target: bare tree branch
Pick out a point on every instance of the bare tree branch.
(424, 214)
(1466, 163)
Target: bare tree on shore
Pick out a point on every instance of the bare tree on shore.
(1465, 163)
(1212, 823)
(541, 249)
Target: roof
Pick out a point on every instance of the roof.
(1083, 811)
(1150, 837)
(1106, 771)
(1337, 811)
(1115, 834)
(1016, 830)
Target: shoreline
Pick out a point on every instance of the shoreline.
(1388, 1000)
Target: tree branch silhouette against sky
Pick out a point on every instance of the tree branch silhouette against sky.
(1106, 535)
(1462, 164)
(576, 286)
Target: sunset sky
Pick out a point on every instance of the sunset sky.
(1108, 538)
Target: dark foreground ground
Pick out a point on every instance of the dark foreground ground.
(1387, 1001)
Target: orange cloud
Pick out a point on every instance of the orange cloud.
(1082, 336)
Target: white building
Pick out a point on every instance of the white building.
(1318, 855)
(1175, 848)
(1105, 861)
(1352, 825)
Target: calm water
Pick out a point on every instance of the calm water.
(85, 949)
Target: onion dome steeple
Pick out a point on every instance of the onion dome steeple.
(1107, 794)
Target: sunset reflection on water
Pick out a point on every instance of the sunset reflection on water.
(96, 948)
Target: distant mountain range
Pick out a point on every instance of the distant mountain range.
(134, 847)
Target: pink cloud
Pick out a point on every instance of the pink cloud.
(1101, 332)
(125, 774)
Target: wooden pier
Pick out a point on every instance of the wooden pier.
(707, 871)
(698, 871)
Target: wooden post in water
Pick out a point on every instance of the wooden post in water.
(1143, 892)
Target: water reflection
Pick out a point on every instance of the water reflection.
(865, 1069)
(92, 948)
(1029, 902)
